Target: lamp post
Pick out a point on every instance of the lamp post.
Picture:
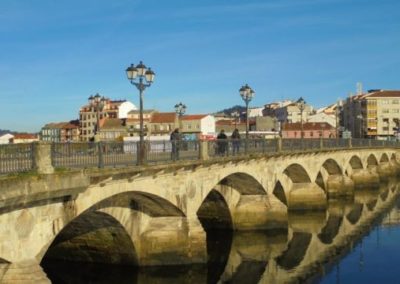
(360, 117)
(98, 103)
(180, 110)
(141, 77)
(301, 104)
(235, 115)
(247, 95)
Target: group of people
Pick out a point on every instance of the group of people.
(222, 142)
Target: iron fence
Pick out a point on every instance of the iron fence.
(235, 147)
(119, 154)
(170, 151)
(16, 158)
(335, 143)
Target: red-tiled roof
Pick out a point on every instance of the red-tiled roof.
(193, 116)
(384, 94)
(163, 117)
(25, 136)
(307, 126)
(111, 123)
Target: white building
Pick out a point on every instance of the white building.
(323, 117)
(256, 111)
(5, 139)
(198, 124)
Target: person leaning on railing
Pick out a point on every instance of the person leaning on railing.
(175, 143)
(222, 143)
(235, 141)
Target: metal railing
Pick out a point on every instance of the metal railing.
(235, 147)
(119, 154)
(16, 158)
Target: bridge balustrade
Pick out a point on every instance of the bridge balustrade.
(16, 158)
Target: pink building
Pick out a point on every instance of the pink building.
(310, 130)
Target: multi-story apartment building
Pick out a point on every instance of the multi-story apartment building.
(90, 113)
(60, 132)
(375, 114)
(291, 113)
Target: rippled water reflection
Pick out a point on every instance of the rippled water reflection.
(353, 242)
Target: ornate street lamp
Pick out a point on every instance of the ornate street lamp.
(247, 95)
(235, 116)
(141, 77)
(98, 103)
(301, 104)
(180, 110)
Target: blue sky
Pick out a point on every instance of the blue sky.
(55, 54)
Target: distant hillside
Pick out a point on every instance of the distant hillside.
(229, 111)
(5, 131)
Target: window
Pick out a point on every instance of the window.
(385, 110)
(395, 110)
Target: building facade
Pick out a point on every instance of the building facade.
(374, 114)
(198, 125)
(291, 113)
(310, 130)
(60, 132)
(89, 114)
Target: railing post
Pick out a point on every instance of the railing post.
(369, 142)
(42, 158)
(321, 143)
(203, 150)
(350, 145)
(100, 154)
(279, 144)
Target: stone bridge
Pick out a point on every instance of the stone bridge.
(160, 215)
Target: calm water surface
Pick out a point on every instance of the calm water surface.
(355, 241)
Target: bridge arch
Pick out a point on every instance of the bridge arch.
(279, 193)
(384, 158)
(147, 203)
(114, 213)
(332, 167)
(243, 183)
(356, 163)
(214, 212)
(297, 174)
(93, 236)
(372, 161)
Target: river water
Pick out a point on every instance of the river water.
(356, 241)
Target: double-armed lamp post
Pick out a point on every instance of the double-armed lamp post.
(180, 110)
(141, 77)
(301, 104)
(247, 95)
(98, 103)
